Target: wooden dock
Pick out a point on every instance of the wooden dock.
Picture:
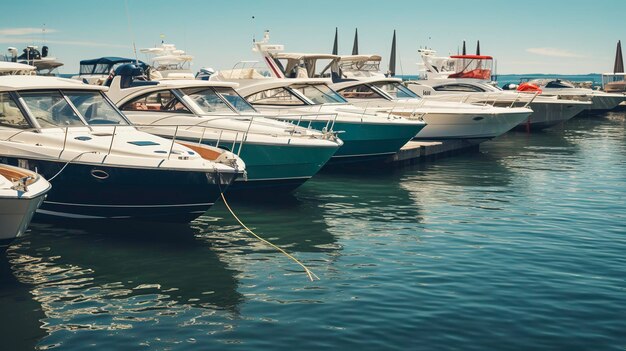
(421, 151)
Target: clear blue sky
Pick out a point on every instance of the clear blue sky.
(529, 36)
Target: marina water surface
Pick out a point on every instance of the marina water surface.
(519, 246)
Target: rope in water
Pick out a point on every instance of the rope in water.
(312, 276)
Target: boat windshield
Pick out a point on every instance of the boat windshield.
(319, 93)
(207, 100)
(278, 96)
(239, 103)
(94, 108)
(396, 90)
(362, 91)
(50, 109)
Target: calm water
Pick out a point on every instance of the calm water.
(520, 246)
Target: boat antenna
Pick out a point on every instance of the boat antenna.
(478, 47)
(355, 46)
(253, 29)
(335, 46)
(130, 31)
(464, 51)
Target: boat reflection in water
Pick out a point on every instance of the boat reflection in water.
(97, 279)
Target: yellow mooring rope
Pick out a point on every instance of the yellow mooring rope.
(312, 276)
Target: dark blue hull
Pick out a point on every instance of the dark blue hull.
(91, 192)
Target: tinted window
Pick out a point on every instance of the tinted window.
(319, 93)
(235, 99)
(458, 87)
(359, 92)
(207, 100)
(94, 108)
(159, 101)
(10, 114)
(396, 90)
(50, 109)
(279, 96)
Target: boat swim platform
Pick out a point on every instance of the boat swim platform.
(426, 150)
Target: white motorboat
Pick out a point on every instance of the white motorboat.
(278, 155)
(472, 70)
(168, 62)
(359, 80)
(14, 69)
(100, 166)
(21, 193)
(548, 111)
(311, 103)
(444, 119)
(600, 100)
(467, 78)
(45, 64)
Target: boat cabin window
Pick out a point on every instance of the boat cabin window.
(278, 96)
(396, 90)
(360, 91)
(157, 101)
(239, 103)
(95, 108)
(51, 109)
(466, 88)
(319, 93)
(207, 100)
(10, 114)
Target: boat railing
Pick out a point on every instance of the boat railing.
(235, 145)
(492, 100)
(306, 120)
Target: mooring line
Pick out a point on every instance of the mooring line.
(70, 161)
(312, 276)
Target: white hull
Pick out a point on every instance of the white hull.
(21, 193)
(606, 102)
(548, 114)
(448, 120)
(469, 126)
(16, 214)
(547, 110)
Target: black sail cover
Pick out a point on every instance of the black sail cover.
(619, 60)
(335, 44)
(392, 58)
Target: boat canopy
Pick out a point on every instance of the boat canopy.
(479, 57)
(296, 56)
(360, 58)
(104, 65)
(471, 66)
(359, 63)
(296, 65)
